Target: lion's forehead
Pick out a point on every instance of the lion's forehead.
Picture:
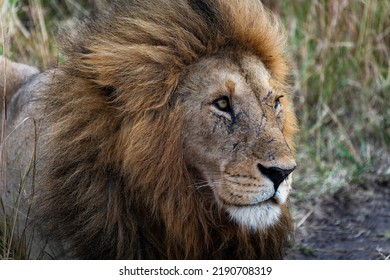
(240, 78)
(255, 72)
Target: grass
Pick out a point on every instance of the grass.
(307, 250)
(341, 51)
(342, 85)
(387, 235)
(32, 25)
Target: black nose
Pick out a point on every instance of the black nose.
(275, 174)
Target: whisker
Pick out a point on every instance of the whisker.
(202, 184)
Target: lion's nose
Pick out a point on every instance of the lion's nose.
(275, 174)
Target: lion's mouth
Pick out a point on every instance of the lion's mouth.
(266, 195)
(253, 209)
(271, 200)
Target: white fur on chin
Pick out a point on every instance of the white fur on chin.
(259, 217)
(263, 215)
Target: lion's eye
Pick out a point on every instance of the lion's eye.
(277, 103)
(222, 104)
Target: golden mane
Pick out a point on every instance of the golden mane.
(114, 183)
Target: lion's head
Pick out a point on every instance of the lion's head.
(169, 134)
(234, 136)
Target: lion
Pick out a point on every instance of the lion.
(167, 133)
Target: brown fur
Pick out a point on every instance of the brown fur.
(114, 183)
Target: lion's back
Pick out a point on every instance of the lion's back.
(21, 147)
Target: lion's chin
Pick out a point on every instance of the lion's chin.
(255, 218)
(261, 212)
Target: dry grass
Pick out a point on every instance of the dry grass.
(31, 27)
(342, 84)
(341, 80)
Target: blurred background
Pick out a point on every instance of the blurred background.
(340, 51)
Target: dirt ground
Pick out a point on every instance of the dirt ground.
(353, 223)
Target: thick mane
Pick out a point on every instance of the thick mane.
(114, 182)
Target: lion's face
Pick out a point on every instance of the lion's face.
(233, 137)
